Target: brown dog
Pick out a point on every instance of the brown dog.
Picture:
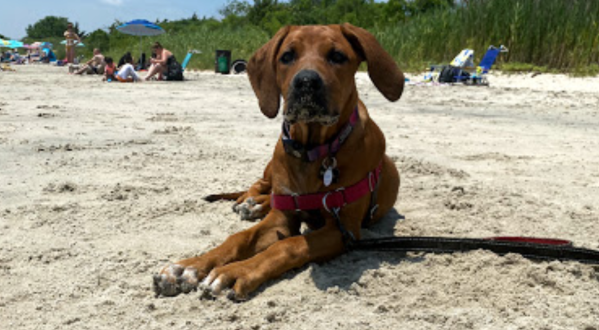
(332, 187)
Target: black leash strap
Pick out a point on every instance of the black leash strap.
(501, 247)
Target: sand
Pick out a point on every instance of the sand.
(101, 185)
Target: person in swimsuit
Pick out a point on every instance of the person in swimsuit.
(95, 65)
(71, 36)
(109, 69)
(159, 63)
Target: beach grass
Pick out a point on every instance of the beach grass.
(549, 35)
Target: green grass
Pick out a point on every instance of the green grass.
(243, 42)
(556, 34)
(542, 35)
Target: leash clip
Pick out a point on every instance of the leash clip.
(324, 199)
(371, 178)
(348, 236)
(373, 211)
(324, 202)
(296, 202)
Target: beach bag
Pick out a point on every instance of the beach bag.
(449, 73)
(174, 70)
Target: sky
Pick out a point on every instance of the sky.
(97, 14)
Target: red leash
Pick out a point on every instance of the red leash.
(528, 247)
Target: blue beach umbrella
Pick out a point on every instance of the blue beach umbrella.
(43, 44)
(141, 28)
(15, 44)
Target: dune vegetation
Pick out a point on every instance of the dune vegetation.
(542, 35)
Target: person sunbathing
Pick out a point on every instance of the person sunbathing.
(95, 65)
(127, 71)
(159, 63)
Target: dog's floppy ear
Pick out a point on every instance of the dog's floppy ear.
(262, 73)
(382, 69)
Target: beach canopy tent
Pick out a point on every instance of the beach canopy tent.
(4, 43)
(141, 28)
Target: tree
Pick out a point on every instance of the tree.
(421, 6)
(98, 39)
(395, 11)
(260, 9)
(235, 7)
(3, 37)
(50, 26)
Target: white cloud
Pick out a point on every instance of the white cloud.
(113, 2)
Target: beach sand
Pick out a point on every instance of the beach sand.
(101, 185)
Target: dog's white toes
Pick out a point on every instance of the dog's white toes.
(189, 280)
(233, 296)
(165, 285)
(236, 208)
(208, 280)
(174, 270)
(244, 211)
(256, 211)
(174, 279)
(216, 287)
(248, 211)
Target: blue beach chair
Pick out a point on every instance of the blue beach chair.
(479, 77)
(188, 57)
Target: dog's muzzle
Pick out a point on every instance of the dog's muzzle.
(307, 100)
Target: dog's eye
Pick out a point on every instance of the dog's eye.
(337, 57)
(287, 57)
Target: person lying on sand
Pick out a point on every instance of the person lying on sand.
(159, 63)
(95, 65)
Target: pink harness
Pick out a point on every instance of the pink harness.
(330, 200)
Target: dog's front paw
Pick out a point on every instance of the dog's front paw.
(174, 279)
(234, 279)
(253, 208)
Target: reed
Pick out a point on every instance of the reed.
(241, 41)
(557, 35)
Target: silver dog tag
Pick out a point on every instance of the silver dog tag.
(328, 177)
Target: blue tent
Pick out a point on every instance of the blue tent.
(141, 28)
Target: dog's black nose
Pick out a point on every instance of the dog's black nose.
(307, 80)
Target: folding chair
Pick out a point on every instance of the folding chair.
(188, 57)
(479, 77)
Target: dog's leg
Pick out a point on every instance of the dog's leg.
(255, 203)
(247, 275)
(224, 196)
(252, 204)
(183, 276)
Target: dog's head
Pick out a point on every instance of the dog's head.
(313, 68)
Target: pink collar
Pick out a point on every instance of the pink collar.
(298, 150)
(328, 200)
